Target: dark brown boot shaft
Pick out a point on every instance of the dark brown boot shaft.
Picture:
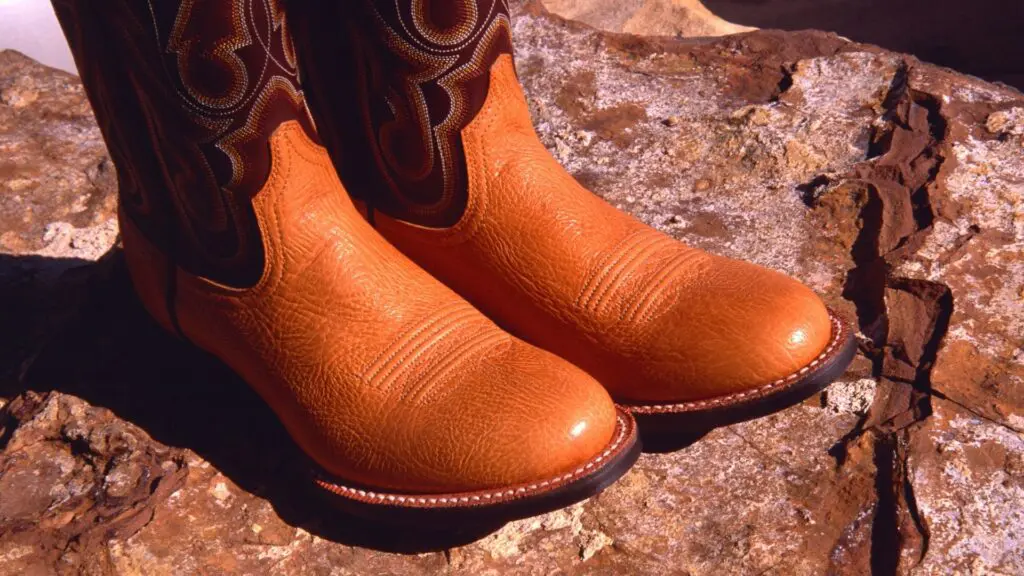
(187, 94)
(394, 83)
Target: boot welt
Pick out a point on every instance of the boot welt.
(690, 420)
(497, 505)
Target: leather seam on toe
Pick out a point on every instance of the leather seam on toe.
(623, 268)
(605, 266)
(838, 337)
(415, 342)
(462, 352)
(643, 306)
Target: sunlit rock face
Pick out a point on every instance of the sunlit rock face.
(892, 187)
(681, 18)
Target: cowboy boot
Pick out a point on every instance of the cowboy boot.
(420, 105)
(240, 238)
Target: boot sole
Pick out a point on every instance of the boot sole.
(489, 506)
(670, 426)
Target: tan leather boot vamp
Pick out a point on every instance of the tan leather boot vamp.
(404, 395)
(665, 327)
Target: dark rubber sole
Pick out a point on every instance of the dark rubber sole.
(671, 426)
(489, 507)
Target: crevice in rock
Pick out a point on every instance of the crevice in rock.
(811, 191)
(898, 529)
(865, 283)
(931, 103)
(18, 410)
(904, 319)
(943, 313)
(785, 81)
(923, 212)
(919, 313)
(914, 513)
(8, 424)
(885, 536)
(881, 140)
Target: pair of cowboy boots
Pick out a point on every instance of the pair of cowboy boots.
(459, 329)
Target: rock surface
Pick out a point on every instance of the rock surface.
(981, 38)
(894, 187)
(681, 18)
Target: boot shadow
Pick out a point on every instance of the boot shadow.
(76, 326)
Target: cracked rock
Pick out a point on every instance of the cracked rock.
(891, 186)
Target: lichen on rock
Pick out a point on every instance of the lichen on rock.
(891, 186)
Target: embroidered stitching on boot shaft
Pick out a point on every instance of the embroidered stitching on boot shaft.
(187, 93)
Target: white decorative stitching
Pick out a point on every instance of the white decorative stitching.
(838, 333)
(623, 429)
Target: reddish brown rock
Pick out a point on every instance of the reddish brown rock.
(682, 18)
(73, 477)
(891, 186)
(55, 174)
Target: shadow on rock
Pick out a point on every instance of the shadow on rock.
(76, 327)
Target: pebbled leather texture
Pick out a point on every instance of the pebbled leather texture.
(381, 374)
(651, 318)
